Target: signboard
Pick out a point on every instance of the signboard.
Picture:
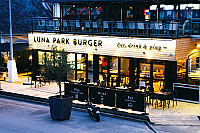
(129, 100)
(102, 96)
(148, 48)
(79, 92)
(146, 12)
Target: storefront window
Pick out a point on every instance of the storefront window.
(41, 57)
(145, 68)
(90, 67)
(181, 71)
(81, 66)
(158, 75)
(71, 61)
(113, 71)
(81, 74)
(158, 71)
(124, 72)
(103, 61)
(81, 62)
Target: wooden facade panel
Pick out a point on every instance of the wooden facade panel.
(184, 47)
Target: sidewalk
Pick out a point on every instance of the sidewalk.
(182, 114)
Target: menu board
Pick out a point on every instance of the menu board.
(129, 100)
(100, 95)
(79, 92)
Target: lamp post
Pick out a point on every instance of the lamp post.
(11, 46)
(12, 69)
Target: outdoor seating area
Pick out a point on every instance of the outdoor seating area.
(152, 28)
(146, 96)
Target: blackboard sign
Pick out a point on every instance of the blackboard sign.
(100, 95)
(79, 92)
(131, 100)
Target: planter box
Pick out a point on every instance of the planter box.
(60, 109)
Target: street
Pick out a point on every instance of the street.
(16, 116)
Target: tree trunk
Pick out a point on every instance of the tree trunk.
(59, 84)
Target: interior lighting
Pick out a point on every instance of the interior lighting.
(197, 45)
(4, 75)
(30, 57)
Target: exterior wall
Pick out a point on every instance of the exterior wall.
(184, 47)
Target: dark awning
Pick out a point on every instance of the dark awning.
(4, 47)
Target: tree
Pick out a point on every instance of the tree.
(56, 66)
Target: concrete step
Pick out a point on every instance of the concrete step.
(175, 120)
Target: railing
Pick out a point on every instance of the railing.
(188, 93)
(150, 28)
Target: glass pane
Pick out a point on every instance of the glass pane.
(124, 80)
(81, 62)
(158, 71)
(144, 70)
(114, 65)
(71, 76)
(90, 76)
(81, 74)
(124, 66)
(158, 85)
(103, 64)
(41, 57)
(71, 60)
(90, 62)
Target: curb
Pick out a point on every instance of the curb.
(82, 108)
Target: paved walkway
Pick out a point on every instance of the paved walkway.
(182, 114)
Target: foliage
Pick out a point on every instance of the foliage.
(56, 66)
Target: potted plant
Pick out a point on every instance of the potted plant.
(56, 68)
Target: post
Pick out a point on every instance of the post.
(11, 46)
(12, 69)
(121, 11)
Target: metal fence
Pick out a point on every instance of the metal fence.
(150, 28)
(186, 92)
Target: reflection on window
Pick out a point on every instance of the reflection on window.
(90, 67)
(158, 71)
(41, 57)
(81, 74)
(71, 60)
(90, 62)
(114, 65)
(103, 64)
(124, 66)
(81, 61)
(144, 70)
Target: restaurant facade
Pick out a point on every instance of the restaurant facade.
(117, 60)
(118, 55)
(121, 51)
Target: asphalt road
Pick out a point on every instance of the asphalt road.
(22, 117)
